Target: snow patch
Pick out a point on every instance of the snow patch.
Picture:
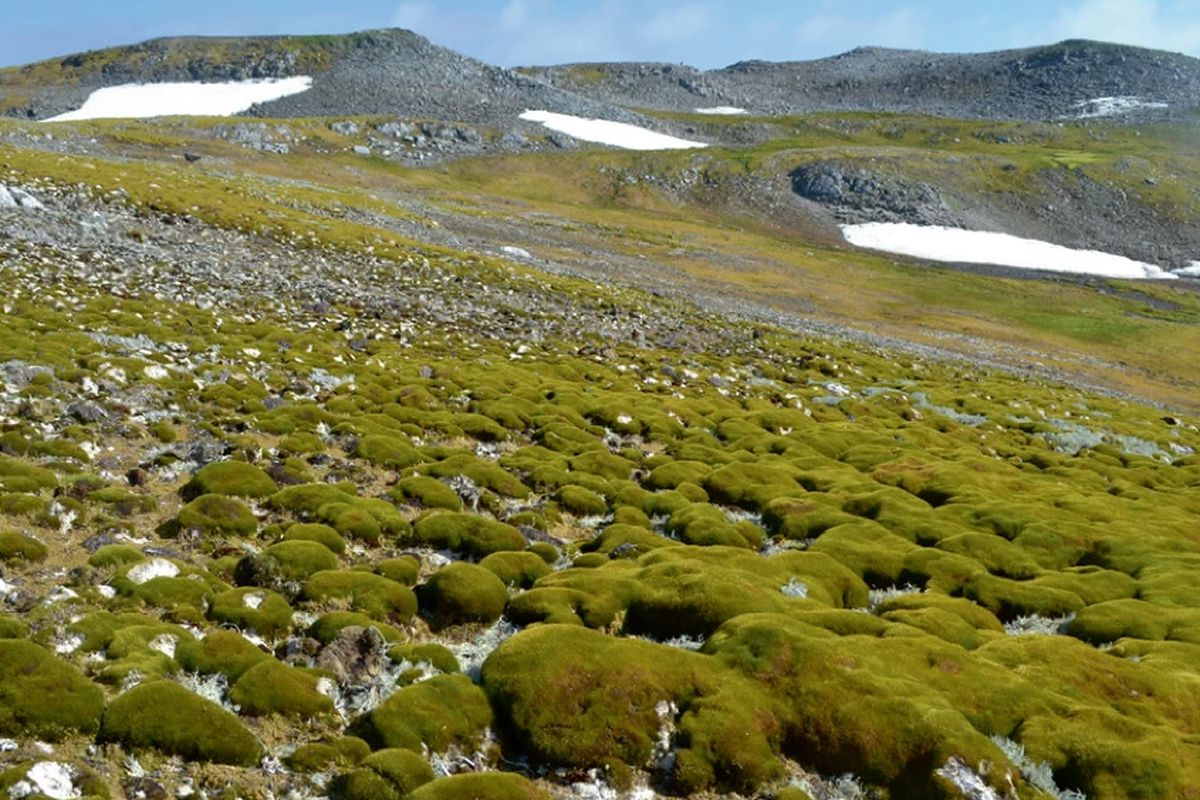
(602, 131)
(722, 110)
(985, 247)
(253, 600)
(515, 252)
(49, 778)
(1190, 271)
(1112, 106)
(144, 100)
(154, 568)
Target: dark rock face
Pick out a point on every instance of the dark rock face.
(859, 195)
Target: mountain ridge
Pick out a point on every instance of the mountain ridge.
(373, 71)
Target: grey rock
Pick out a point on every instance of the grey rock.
(87, 412)
(860, 195)
(143, 788)
(356, 656)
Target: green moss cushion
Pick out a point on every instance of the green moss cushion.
(231, 478)
(435, 714)
(462, 593)
(43, 696)
(481, 786)
(167, 717)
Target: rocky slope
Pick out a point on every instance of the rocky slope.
(393, 70)
(375, 72)
(1053, 82)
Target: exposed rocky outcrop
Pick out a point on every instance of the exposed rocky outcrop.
(1072, 79)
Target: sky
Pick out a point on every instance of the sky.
(703, 33)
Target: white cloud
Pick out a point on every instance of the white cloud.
(678, 24)
(1140, 22)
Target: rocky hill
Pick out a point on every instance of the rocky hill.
(390, 71)
(375, 72)
(1066, 80)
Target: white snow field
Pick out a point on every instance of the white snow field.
(142, 100)
(723, 110)
(601, 131)
(1111, 106)
(981, 247)
(1190, 271)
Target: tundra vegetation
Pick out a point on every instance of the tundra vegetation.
(458, 528)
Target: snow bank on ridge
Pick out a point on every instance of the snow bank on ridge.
(601, 131)
(983, 247)
(143, 100)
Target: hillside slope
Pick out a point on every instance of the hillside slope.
(373, 72)
(310, 488)
(1037, 83)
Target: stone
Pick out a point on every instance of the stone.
(356, 655)
(87, 412)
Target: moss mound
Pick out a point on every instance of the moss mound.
(164, 716)
(481, 786)
(43, 696)
(272, 687)
(429, 492)
(435, 714)
(221, 651)
(373, 595)
(298, 560)
(260, 610)
(520, 570)
(316, 532)
(469, 534)
(580, 698)
(214, 513)
(328, 626)
(234, 478)
(323, 756)
(462, 593)
(17, 547)
(437, 656)
(390, 773)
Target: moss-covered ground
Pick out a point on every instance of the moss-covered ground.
(724, 557)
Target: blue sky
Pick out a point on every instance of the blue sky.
(705, 33)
